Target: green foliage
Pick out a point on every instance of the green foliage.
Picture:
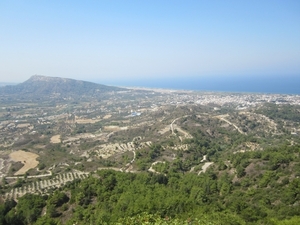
(27, 211)
(254, 187)
(58, 199)
(45, 220)
(113, 197)
(5, 208)
(19, 183)
(57, 147)
(292, 221)
(285, 112)
(41, 166)
(144, 218)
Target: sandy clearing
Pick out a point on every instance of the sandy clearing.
(82, 136)
(182, 147)
(1, 167)
(111, 128)
(23, 125)
(84, 120)
(107, 116)
(55, 139)
(165, 130)
(28, 158)
(204, 167)
(114, 128)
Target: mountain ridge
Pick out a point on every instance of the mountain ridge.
(46, 86)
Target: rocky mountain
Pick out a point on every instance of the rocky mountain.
(54, 87)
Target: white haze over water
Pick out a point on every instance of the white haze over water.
(258, 84)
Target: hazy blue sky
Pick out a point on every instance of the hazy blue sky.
(109, 40)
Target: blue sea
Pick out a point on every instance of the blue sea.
(254, 84)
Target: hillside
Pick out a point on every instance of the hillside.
(54, 87)
(150, 157)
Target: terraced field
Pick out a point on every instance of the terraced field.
(43, 186)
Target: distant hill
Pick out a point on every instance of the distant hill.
(5, 84)
(54, 87)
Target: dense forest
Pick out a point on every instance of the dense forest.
(266, 190)
(285, 112)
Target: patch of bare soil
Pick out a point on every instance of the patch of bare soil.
(248, 146)
(254, 168)
(114, 128)
(23, 125)
(107, 116)
(55, 139)
(205, 167)
(164, 130)
(28, 158)
(250, 169)
(85, 121)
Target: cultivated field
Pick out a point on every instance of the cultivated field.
(27, 158)
(55, 139)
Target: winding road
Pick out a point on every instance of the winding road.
(232, 124)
